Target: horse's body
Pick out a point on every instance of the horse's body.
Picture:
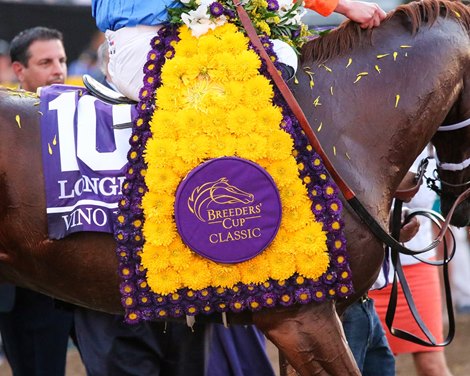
(372, 130)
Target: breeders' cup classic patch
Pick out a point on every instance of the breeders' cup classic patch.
(228, 210)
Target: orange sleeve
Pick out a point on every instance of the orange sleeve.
(323, 7)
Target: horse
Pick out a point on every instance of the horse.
(374, 98)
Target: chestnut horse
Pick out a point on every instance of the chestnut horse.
(374, 99)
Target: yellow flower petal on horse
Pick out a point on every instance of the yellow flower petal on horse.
(224, 144)
(205, 146)
(235, 91)
(166, 100)
(166, 279)
(209, 46)
(221, 68)
(308, 265)
(180, 259)
(171, 75)
(162, 122)
(311, 239)
(233, 42)
(292, 196)
(185, 116)
(254, 270)
(158, 149)
(163, 179)
(156, 202)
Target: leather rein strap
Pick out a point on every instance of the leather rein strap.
(399, 277)
(347, 192)
(360, 210)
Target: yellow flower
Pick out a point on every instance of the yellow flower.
(201, 279)
(240, 121)
(198, 95)
(264, 27)
(224, 144)
(255, 270)
(248, 64)
(160, 233)
(235, 92)
(226, 275)
(279, 169)
(281, 267)
(252, 147)
(166, 280)
(163, 179)
(259, 93)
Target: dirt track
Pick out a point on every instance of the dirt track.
(457, 355)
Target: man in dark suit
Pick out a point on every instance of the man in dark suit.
(34, 331)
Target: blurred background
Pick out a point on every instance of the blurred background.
(71, 17)
(81, 37)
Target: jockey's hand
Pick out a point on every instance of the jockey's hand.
(409, 230)
(367, 15)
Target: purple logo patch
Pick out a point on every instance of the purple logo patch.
(228, 209)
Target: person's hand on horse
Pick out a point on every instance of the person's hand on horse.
(409, 229)
(367, 15)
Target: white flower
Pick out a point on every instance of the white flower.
(285, 5)
(297, 19)
(294, 18)
(199, 20)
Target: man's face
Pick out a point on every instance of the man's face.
(46, 65)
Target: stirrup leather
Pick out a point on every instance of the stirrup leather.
(104, 93)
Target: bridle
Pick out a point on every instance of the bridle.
(451, 167)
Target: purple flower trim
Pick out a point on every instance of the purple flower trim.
(216, 9)
(303, 296)
(273, 5)
(142, 304)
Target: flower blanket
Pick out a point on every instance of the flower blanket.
(204, 99)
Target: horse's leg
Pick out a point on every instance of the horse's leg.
(311, 338)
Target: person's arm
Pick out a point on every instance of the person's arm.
(366, 14)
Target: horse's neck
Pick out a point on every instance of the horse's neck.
(374, 124)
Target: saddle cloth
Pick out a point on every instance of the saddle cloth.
(84, 158)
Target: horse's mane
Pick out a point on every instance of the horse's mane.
(349, 34)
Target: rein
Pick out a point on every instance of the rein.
(358, 207)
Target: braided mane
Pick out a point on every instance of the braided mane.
(349, 35)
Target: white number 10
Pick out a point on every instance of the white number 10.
(65, 104)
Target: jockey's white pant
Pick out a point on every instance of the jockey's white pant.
(129, 47)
